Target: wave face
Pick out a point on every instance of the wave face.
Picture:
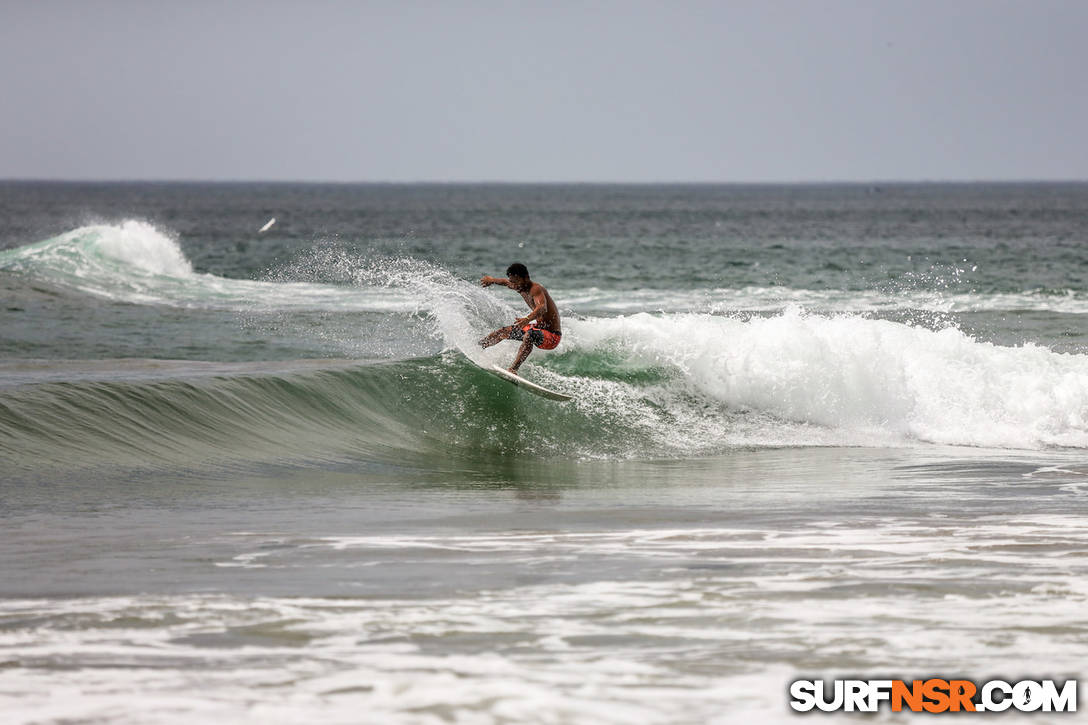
(432, 411)
(661, 384)
(644, 386)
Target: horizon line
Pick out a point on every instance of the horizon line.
(501, 182)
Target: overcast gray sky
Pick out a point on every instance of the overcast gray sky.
(769, 90)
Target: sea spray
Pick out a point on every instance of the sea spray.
(458, 312)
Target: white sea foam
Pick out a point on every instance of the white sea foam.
(707, 624)
(871, 377)
(140, 246)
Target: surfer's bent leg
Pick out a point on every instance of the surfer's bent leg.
(503, 333)
(523, 352)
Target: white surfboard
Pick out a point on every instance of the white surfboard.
(523, 383)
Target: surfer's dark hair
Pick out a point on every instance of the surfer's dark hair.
(517, 269)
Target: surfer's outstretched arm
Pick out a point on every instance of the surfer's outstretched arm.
(486, 281)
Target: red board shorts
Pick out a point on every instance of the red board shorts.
(544, 339)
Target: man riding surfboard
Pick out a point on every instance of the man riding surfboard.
(540, 327)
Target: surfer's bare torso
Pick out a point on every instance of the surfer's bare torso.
(534, 296)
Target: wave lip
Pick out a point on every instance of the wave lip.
(136, 263)
(128, 260)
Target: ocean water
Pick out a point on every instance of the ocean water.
(817, 432)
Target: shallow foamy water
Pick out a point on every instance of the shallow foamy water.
(675, 591)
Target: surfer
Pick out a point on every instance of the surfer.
(540, 327)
